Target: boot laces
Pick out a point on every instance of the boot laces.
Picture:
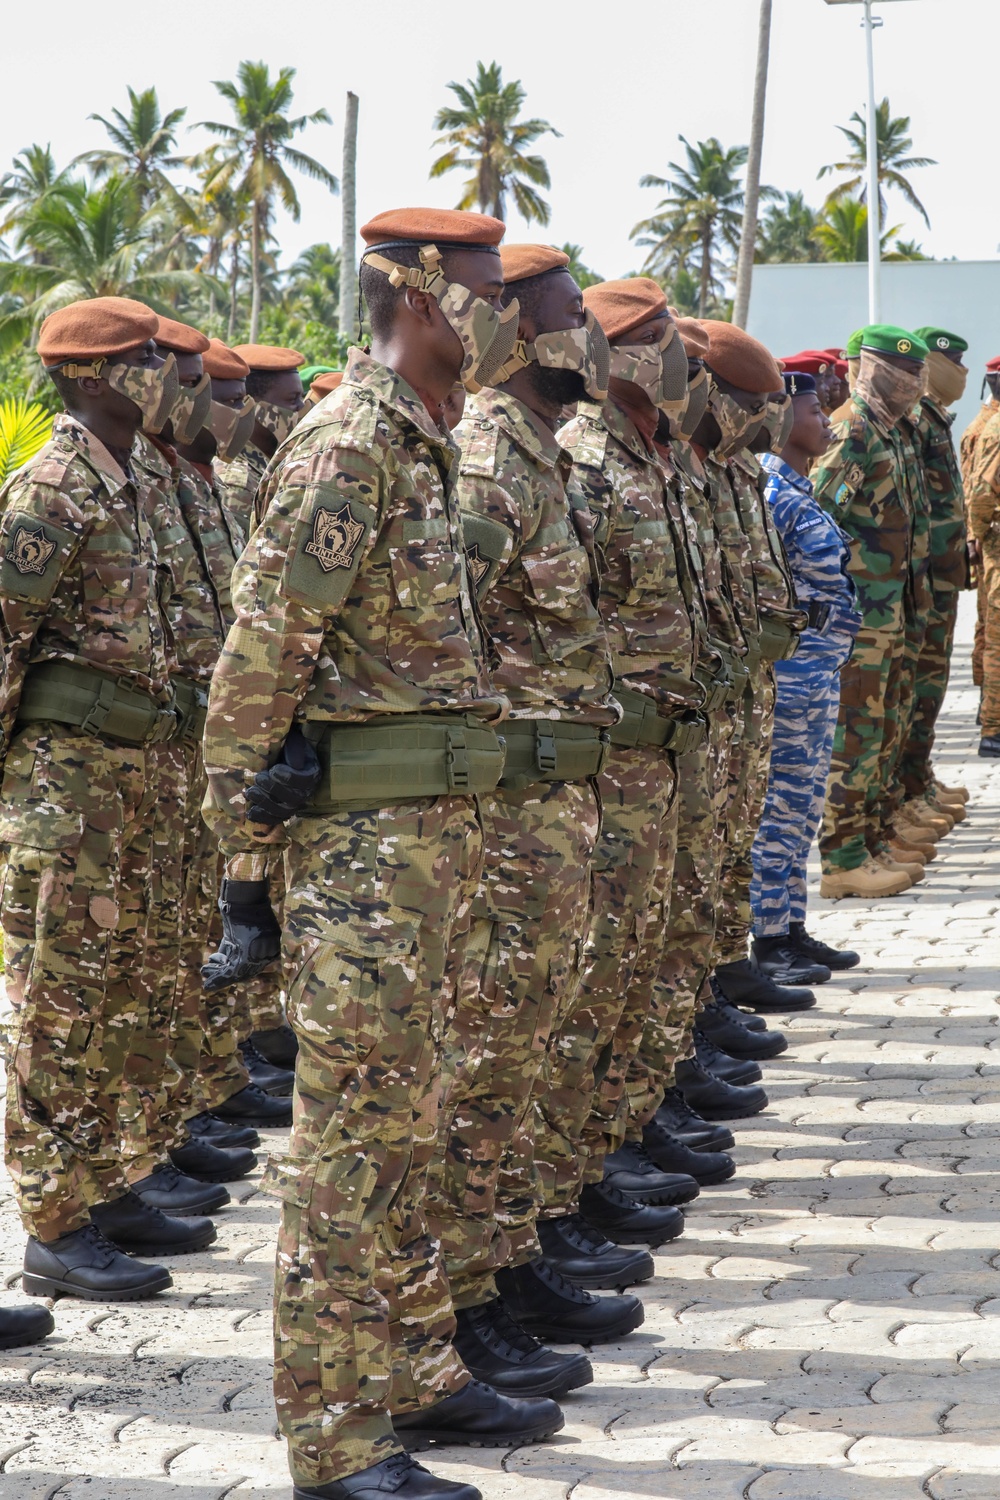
(679, 1106)
(568, 1290)
(506, 1328)
(616, 1197)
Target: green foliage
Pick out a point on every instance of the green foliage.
(786, 231)
(892, 145)
(24, 428)
(581, 274)
(485, 137)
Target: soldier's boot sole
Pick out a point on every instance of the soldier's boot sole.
(553, 1333)
(838, 886)
(46, 1286)
(419, 1442)
(193, 1246)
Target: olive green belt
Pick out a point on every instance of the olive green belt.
(779, 639)
(398, 757)
(642, 724)
(551, 750)
(68, 692)
(191, 703)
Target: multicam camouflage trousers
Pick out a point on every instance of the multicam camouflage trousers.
(933, 670)
(749, 759)
(516, 973)
(990, 715)
(869, 691)
(589, 1052)
(363, 1318)
(76, 814)
(689, 934)
(805, 717)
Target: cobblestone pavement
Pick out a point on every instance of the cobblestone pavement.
(828, 1328)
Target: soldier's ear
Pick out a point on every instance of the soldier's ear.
(422, 305)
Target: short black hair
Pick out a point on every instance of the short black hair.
(381, 297)
(259, 382)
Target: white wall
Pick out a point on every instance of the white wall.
(815, 307)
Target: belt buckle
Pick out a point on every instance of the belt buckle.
(545, 750)
(457, 761)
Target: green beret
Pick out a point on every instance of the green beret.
(853, 349)
(940, 338)
(311, 371)
(884, 338)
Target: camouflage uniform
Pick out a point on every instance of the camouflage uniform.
(859, 482)
(238, 481)
(982, 497)
(353, 609)
(532, 560)
(967, 454)
(948, 574)
(77, 590)
(644, 555)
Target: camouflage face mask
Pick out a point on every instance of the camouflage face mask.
(889, 390)
(735, 423)
(191, 410)
(153, 391)
(658, 369)
(231, 427)
(697, 405)
(278, 420)
(584, 350)
(487, 335)
(776, 424)
(945, 380)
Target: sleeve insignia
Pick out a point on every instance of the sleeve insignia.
(29, 551)
(478, 565)
(843, 495)
(854, 475)
(335, 538)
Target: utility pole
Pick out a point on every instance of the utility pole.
(349, 226)
(751, 198)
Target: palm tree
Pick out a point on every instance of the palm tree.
(256, 153)
(581, 274)
(701, 215)
(86, 242)
(892, 143)
(313, 284)
(843, 233)
(25, 427)
(485, 137)
(787, 231)
(141, 145)
(33, 179)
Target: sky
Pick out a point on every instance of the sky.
(620, 94)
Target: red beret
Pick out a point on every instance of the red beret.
(809, 361)
(223, 363)
(993, 365)
(440, 226)
(180, 337)
(521, 261)
(95, 329)
(740, 359)
(693, 337)
(325, 383)
(620, 306)
(270, 357)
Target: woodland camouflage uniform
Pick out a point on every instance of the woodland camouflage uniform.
(353, 608)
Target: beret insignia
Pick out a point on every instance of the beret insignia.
(904, 346)
(335, 538)
(29, 551)
(943, 343)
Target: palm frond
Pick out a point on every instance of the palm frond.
(25, 427)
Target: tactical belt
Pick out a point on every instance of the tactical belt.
(779, 639)
(734, 672)
(398, 757)
(68, 692)
(191, 703)
(644, 725)
(552, 750)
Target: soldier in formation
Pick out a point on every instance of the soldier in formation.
(480, 726)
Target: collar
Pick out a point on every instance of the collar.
(777, 466)
(97, 455)
(393, 391)
(942, 412)
(520, 424)
(620, 427)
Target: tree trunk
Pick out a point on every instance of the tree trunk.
(254, 271)
(234, 282)
(706, 271)
(348, 221)
(748, 233)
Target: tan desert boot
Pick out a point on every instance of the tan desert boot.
(906, 854)
(912, 868)
(951, 793)
(919, 815)
(869, 880)
(954, 810)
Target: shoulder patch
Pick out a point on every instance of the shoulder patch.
(327, 546)
(29, 566)
(487, 544)
(479, 447)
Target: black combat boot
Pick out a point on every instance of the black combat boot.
(720, 1064)
(989, 746)
(209, 1163)
(169, 1190)
(631, 1171)
(779, 957)
(132, 1225)
(276, 1081)
(558, 1311)
(744, 984)
(279, 1046)
(20, 1326)
(499, 1351)
(680, 1120)
(480, 1417)
(583, 1254)
(84, 1264)
(714, 1099)
(810, 947)
(625, 1220)
(671, 1155)
(251, 1106)
(208, 1127)
(728, 1027)
(399, 1475)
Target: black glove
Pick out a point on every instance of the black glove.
(277, 794)
(251, 937)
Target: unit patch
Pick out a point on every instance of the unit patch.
(30, 550)
(335, 538)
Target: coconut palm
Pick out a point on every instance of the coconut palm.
(257, 152)
(85, 242)
(843, 233)
(486, 137)
(313, 284)
(25, 426)
(581, 274)
(700, 218)
(142, 143)
(892, 143)
(33, 178)
(787, 231)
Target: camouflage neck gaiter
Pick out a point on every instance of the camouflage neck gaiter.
(889, 390)
(945, 380)
(696, 407)
(735, 424)
(232, 427)
(583, 350)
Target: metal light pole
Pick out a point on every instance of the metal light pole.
(870, 23)
(748, 234)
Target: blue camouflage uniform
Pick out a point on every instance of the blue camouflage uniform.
(808, 695)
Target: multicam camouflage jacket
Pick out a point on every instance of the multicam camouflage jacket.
(858, 481)
(739, 553)
(775, 589)
(906, 436)
(982, 489)
(215, 531)
(352, 598)
(943, 482)
(532, 561)
(970, 438)
(78, 569)
(713, 565)
(193, 625)
(239, 480)
(645, 561)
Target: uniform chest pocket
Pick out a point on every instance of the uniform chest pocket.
(425, 575)
(110, 566)
(654, 600)
(559, 601)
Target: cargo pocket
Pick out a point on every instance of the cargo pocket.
(654, 602)
(425, 623)
(562, 613)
